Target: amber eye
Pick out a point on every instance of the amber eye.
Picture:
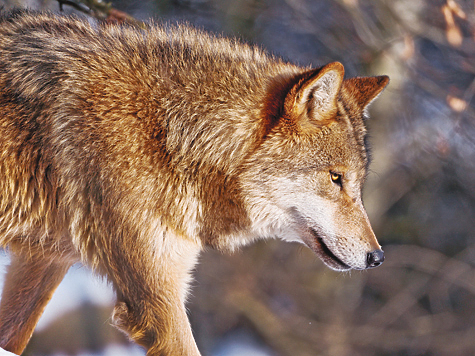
(336, 178)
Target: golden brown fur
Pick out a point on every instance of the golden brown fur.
(131, 150)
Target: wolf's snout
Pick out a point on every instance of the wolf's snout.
(375, 258)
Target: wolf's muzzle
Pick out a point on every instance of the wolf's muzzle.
(375, 258)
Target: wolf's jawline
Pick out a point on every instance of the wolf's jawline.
(327, 250)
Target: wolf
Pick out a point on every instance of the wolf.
(131, 150)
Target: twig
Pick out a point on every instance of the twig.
(74, 5)
(101, 10)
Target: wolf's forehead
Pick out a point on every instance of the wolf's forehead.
(352, 121)
(354, 116)
(337, 145)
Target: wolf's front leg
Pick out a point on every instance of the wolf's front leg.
(151, 286)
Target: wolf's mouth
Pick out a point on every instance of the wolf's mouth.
(327, 255)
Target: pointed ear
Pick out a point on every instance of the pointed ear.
(365, 89)
(317, 93)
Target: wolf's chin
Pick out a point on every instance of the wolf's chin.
(326, 255)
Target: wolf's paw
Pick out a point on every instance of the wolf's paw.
(139, 330)
(120, 316)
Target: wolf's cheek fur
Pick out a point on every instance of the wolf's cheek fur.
(299, 209)
(347, 241)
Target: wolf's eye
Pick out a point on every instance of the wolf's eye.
(336, 178)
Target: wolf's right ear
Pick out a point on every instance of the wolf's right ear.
(314, 97)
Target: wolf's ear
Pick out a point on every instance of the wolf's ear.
(314, 96)
(365, 89)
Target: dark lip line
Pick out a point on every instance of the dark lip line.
(327, 251)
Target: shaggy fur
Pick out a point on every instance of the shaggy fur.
(130, 150)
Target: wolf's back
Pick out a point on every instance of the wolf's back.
(86, 105)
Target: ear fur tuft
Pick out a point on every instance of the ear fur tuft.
(313, 98)
(320, 91)
(365, 89)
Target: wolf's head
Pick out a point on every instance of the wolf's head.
(305, 178)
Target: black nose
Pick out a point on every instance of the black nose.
(375, 258)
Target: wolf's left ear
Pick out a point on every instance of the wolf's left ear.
(314, 97)
(365, 89)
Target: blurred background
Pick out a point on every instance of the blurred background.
(277, 299)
